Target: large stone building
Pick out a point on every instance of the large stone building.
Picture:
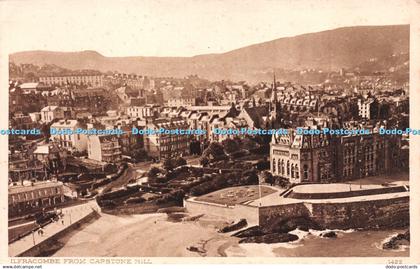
(324, 158)
(302, 158)
(366, 155)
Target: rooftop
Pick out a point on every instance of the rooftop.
(35, 186)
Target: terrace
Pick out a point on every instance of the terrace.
(237, 195)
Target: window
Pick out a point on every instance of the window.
(282, 167)
(293, 170)
(274, 165)
(305, 172)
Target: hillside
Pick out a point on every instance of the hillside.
(328, 50)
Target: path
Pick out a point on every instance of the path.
(70, 215)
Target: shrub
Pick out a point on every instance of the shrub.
(171, 163)
(230, 145)
(153, 172)
(176, 195)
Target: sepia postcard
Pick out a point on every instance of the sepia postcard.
(269, 131)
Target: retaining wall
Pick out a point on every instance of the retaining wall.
(230, 213)
(393, 212)
(137, 208)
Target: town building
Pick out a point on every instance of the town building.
(37, 195)
(34, 87)
(93, 80)
(23, 168)
(95, 100)
(368, 108)
(163, 145)
(144, 112)
(182, 101)
(64, 133)
(50, 113)
(302, 158)
(104, 148)
(52, 156)
(361, 156)
(131, 80)
(324, 158)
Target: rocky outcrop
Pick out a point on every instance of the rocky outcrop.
(270, 238)
(285, 226)
(251, 231)
(235, 226)
(330, 234)
(397, 241)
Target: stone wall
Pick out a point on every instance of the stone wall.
(364, 214)
(229, 213)
(142, 208)
(269, 214)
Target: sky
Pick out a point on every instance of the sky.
(179, 28)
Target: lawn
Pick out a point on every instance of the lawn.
(236, 195)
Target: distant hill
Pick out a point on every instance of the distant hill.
(346, 47)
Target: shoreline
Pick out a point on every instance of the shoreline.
(153, 235)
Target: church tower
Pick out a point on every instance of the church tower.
(273, 109)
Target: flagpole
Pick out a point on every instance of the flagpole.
(259, 189)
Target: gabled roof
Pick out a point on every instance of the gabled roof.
(49, 108)
(257, 114)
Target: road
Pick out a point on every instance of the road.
(71, 215)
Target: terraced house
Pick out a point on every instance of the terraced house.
(161, 145)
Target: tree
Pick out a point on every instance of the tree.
(249, 177)
(171, 163)
(267, 177)
(230, 145)
(168, 164)
(179, 161)
(214, 151)
(195, 147)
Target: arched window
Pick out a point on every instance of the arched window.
(293, 170)
(296, 171)
(279, 167)
(305, 172)
(288, 168)
(274, 165)
(282, 167)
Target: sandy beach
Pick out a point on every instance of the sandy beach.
(152, 235)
